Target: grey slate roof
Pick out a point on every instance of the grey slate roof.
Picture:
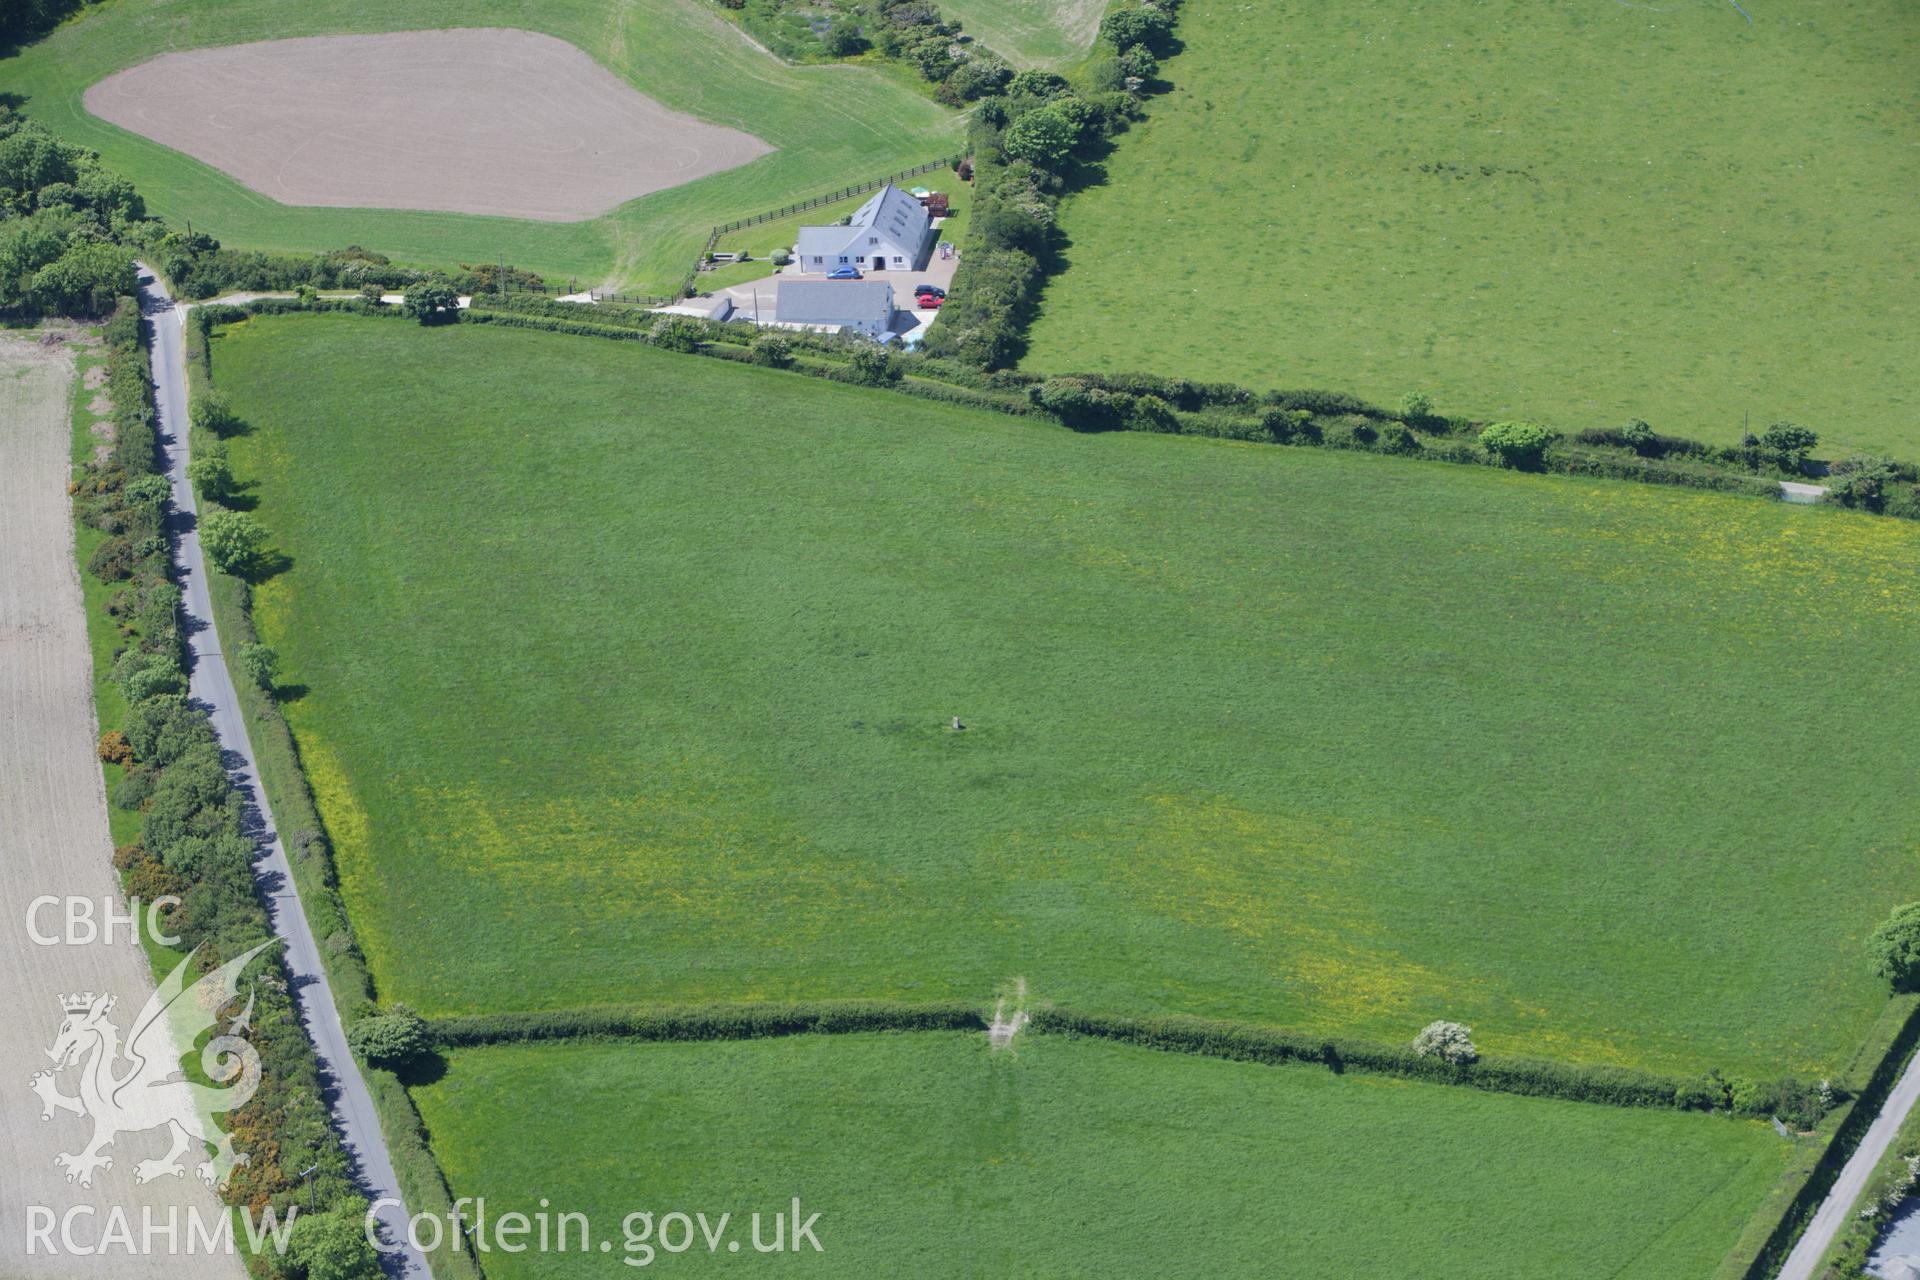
(895, 214)
(834, 302)
(896, 217)
(827, 242)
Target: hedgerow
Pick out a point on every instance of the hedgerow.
(1533, 1077)
(721, 1021)
(192, 841)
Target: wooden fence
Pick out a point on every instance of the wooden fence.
(832, 197)
(787, 211)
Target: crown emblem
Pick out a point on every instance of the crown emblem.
(77, 1004)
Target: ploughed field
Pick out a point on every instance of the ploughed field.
(625, 676)
(1585, 212)
(812, 129)
(931, 1154)
(498, 122)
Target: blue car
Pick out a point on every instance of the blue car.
(844, 273)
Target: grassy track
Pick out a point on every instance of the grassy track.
(929, 1155)
(831, 125)
(1050, 33)
(630, 674)
(1589, 212)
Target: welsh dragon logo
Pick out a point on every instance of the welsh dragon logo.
(140, 1087)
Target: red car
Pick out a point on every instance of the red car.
(928, 301)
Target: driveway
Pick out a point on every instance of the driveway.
(758, 297)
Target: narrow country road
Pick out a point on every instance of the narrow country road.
(211, 686)
(1853, 1178)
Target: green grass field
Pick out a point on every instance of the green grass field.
(1050, 33)
(629, 677)
(1584, 213)
(831, 126)
(931, 1155)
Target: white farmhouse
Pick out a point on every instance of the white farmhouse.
(890, 232)
(836, 306)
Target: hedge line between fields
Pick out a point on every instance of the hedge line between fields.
(422, 1182)
(1322, 419)
(1799, 1192)
(1239, 1041)
(282, 775)
(718, 1021)
(1496, 1073)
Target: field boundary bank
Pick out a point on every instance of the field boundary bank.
(727, 1020)
(1175, 1033)
(125, 496)
(282, 776)
(1008, 262)
(1300, 419)
(835, 361)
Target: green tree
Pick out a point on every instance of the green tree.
(772, 350)
(112, 198)
(1130, 25)
(211, 413)
(152, 490)
(1864, 482)
(1043, 136)
(333, 1246)
(679, 333)
(1139, 63)
(233, 540)
(843, 39)
(873, 366)
(85, 279)
(1785, 437)
(1517, 444)
(1037, 84)
(31, 159)
(141, 675)
(1151, 413)
(1893, 950)
(391, 1040)
(210, 472)
(1448, 1041)
(26, 245)
(430, 301)
(261, 662)
(1788, 444)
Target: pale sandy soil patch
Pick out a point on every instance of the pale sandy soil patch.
(481, 120)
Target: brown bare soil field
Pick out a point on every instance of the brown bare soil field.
(486, 120)
(54, 842)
